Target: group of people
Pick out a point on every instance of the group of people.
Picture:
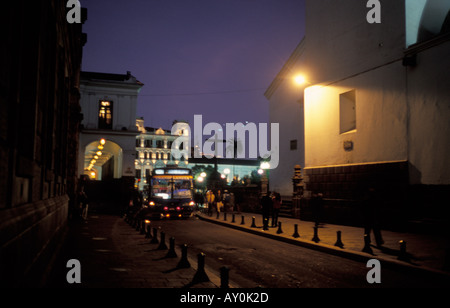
(270, 205)
(220, 201)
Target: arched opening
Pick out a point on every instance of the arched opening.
(426, 19)
(103, 160)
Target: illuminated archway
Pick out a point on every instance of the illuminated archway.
(103, 160)
(425, 19)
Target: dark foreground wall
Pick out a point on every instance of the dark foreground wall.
(40, 60)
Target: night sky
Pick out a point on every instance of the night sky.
(209, 57)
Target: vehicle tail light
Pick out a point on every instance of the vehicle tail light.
(178, 208)
(152, 203)
(166, 208)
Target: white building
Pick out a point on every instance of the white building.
(108, 103)
(154, 148)
(376, 105)
(286, 108)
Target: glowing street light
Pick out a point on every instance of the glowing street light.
(300, 80)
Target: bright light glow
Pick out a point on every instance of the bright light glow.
(152, 203)
(192, 203)
(99, 153)
(300, 80)
(265, 165)
(203, 174)
(163, 195)
(200, 179)
(222, 176)
(226, 171)
(102, 141)
(260, 171)
(147, 221)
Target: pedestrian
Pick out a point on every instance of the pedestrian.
(276, 208)
(226, 200)
(266, 205)
(232, 202)
(210, 201)
(84, 203)
(371, 215)
(219, 201)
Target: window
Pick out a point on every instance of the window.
(105, 115)
(293, 145)
(347, 111)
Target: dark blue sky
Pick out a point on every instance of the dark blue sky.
(209, 57)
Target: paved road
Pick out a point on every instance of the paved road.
(258, 261)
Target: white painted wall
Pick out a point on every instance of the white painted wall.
(286, 108)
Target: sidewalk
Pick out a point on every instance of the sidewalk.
(423, 252)
(113, 254)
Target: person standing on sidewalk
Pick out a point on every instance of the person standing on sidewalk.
(210, 201)
(276, 208)
(267, 206)
(84, 203)
(371, 216)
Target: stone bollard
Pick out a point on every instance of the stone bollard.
(162, 244)
(243, 220)
(200, 275)
(138, 225)
(403, 256)
(296, 235)
(142, 227)
(279, 231)
(367, 247)
(266, 224)
(339, 240)
(171, 253)
(253, 222)
(148, 233)
(184, 263)
(224, 216)
(316, 236)
(224, 277)
(233, 218)
(155, 237)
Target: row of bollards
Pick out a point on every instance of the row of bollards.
(403, 255)
(200, 276)
(296, 234)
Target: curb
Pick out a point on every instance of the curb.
(333, 250)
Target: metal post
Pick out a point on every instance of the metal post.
(339, 240)
(296, 235)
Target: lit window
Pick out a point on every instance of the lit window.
(105, 115)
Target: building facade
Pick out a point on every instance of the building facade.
(108, 103)
(376, 108)
(286, 107)
(39, 126)
(154, 149)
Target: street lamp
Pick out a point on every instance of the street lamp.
(300, 80)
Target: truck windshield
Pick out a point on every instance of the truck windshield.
(171, 188)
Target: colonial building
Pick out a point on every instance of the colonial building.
(375, 99)
(39, 125)
(108, 103)
(154, 149)
(107, 148)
